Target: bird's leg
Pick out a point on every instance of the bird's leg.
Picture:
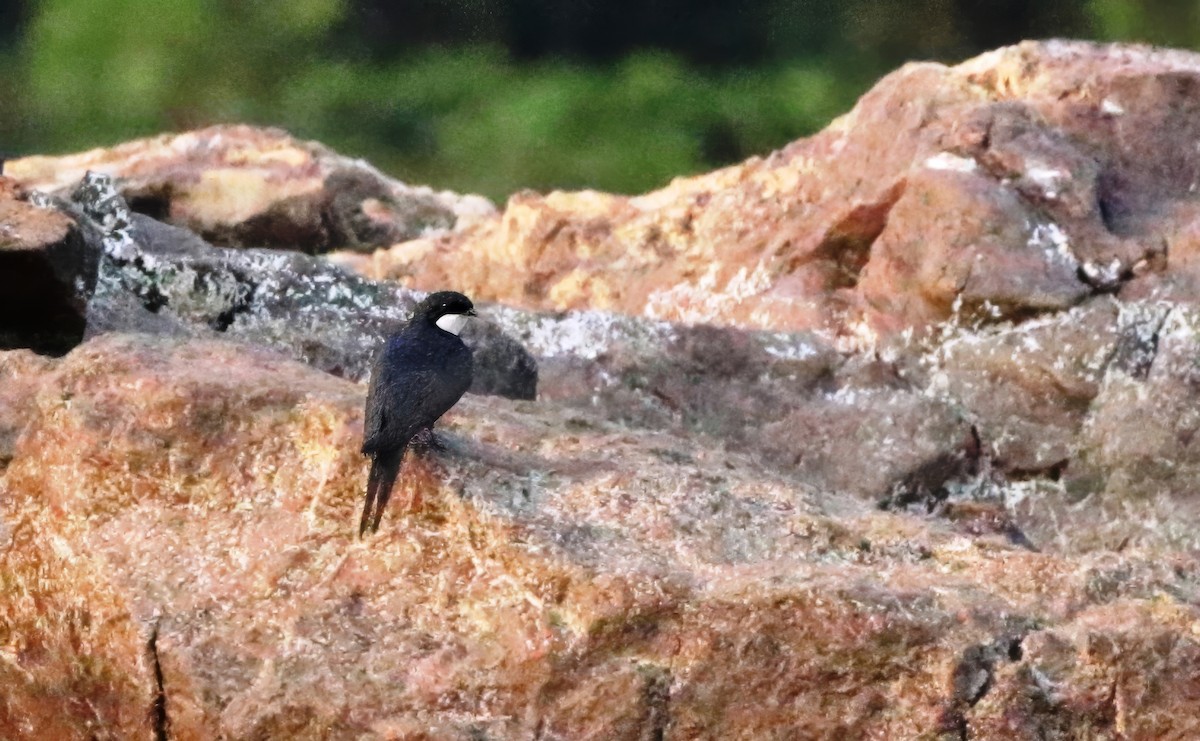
(427, 440)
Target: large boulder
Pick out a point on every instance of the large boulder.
(181, 527)
(1015, 183)
(246, 186)
(20, 376)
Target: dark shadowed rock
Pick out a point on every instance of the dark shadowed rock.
(1138, 447)
(1029, 387)
(503, 367)
(1085, 419)
(48, 262)
(873, 440)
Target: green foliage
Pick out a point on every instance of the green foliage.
(112, 69)
(1163, 22)
(467, 119)
(103, 71)
(471, 120)
(468, 116)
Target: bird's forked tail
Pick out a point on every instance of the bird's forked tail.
(385, 466)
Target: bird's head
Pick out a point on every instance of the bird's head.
(447, 309)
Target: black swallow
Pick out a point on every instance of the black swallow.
(422, 371)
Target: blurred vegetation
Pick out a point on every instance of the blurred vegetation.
(492, 96)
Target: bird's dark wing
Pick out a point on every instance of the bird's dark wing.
(400, 355)
(400, 409)
(426, 395)
(402, 402)
(375, 417)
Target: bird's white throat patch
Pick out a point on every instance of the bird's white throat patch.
(452, 323)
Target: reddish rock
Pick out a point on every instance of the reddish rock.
(1017, 182)
(245, 186)
(1118, 671)
(21, 374)
(551, 573)
(74, 662)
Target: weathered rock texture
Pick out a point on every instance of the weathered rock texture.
(948, 492)
(242, 186)
(142, 275)
(555, 575)
(1016, 183)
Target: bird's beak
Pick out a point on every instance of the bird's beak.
(472, 312)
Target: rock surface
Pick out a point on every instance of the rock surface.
(161, 279)
(552, 573)
(945, 491)
(243, 186)
(1015, 183)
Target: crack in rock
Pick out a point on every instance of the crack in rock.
(158, 708)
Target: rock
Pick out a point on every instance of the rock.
(75, 662)
(976, 414)
(48, 263)
(20, 377)
(962, 240)
(162, 279)
(552, 572)
(790, 397)
(721, 381)
(1137, 443)
(1015, 183)
(886, 444)
(1029, 387)
(1143, 426)
(1095, 678)
(251, 187)
(502, 366)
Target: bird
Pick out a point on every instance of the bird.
(420, 373)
